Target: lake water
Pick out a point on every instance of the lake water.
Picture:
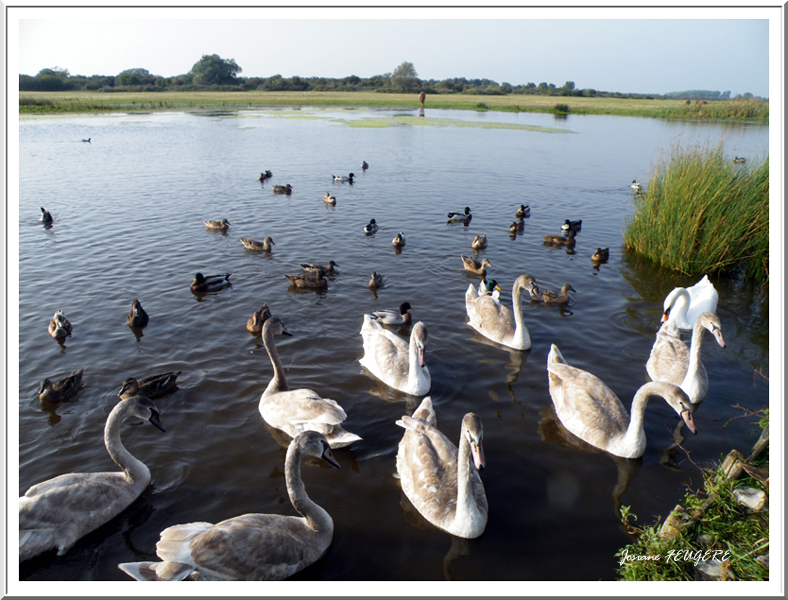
(129, 210)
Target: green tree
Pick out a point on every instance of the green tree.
(569, 85)
(212, 69)
(405, 77)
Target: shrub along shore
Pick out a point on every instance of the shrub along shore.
(87, 102)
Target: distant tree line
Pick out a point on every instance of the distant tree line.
(212, 72)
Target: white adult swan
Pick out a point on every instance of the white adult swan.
(440, 481)
(250, 547)
(684, 305)
(396, 362)
(495, 321)
(592, 412)
(670, 359)
(57, 512)
(294, 411)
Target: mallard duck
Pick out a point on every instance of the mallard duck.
(264, 246)
(442, 482)
(399, 241)
(455, 217)
(496, 321)
(370, 227)
(474, 266)
(151, 387)
(516, 226)
(46, 217)
(393, 316)
(265, 175)
(592, 412)
(329, 199)
(396, 362)
(600, 255)
(375, 281)
(222, 225)
(671, 361)
(329, 269)
(62, 389)
(739, 160)
(550, 296)
(364, 165)
(343, 179)
(294, 411)
(523, 212)
(209, 283)
(479, 242)
(58, 512)
(571, 225)
(254, 324)
(250, 547)
(489, 288)
(87, 140)
(137, 316)
(59, 326)
(282, 189)
(557, 240)
(684, 305)
(314, 282)
(636, 187)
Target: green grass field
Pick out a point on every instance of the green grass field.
(70, 102)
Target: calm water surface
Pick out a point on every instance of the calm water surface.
(128, 211)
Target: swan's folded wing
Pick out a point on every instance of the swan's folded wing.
(428, 471)
(493, 316)
(668, 360)
(304, 406)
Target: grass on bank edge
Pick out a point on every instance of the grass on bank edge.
(703, 214)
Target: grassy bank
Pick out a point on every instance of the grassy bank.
(71, 102)
(701, 213)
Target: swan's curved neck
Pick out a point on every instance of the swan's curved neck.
(680, 306)
(693, 379)
(415, 370)
(316, 517)
(466, 510)
(634, 442)
(520, 330)
(279, 382)
(135, 470)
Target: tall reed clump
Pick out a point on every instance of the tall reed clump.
(756, 110)
(703, 214)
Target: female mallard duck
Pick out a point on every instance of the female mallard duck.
(399, 241)
(264, 246)
(329, 269)
(250, 547)
(516, 226)
(317, 281)
(137, 316)
(59, 326)
(254, 324)
(671, 361)
(739, 160)
(343, 179)
(557, 240)
(62, 389)
(282, 189)
(442, 482)
(550, 296)
(636, 187)
(684, 305)
(568, 225)
(370, 227)
(57, 512)
(523, 212)
(46, 217)
(222, 225)
(396, 362)
(496, 321)
(600, 255)
(394, 316)
(329, 199)
(456, 217)
(472, 265)
(375, 281)
(209, 283)
(265, 175)
(294, 411)
(364, 165)
(479, 242)
(151, 387)
(592, 412)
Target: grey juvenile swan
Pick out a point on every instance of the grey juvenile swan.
(250, 547)
(57, 512)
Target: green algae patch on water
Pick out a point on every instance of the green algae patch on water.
(439, 122)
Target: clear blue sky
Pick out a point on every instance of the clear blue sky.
(660, 53)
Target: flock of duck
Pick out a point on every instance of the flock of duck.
(439, 478)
